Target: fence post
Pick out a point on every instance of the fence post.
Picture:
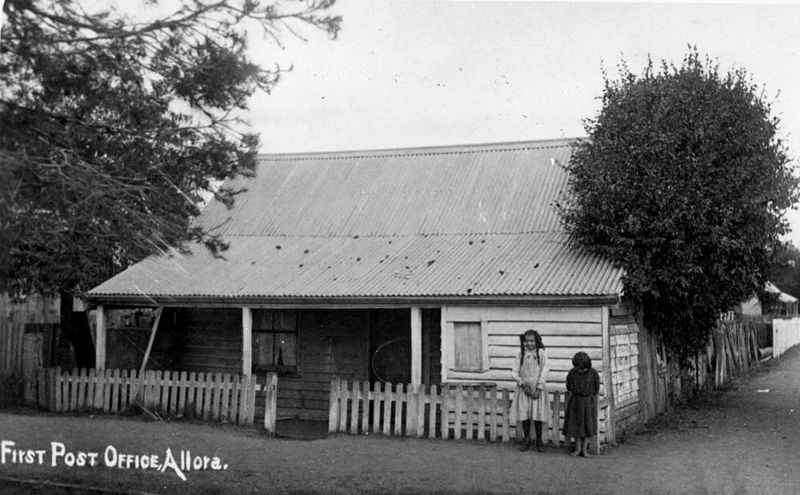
(445, 417)
(493, 415)
(366, 395)
(597, 437)
(481, 412)
(469, 394)
(506, 405)
(434, 400)
(421, 400)
(412, 392)
(344, 392)
(31, 363)
(243, 395)
(400, 398)
(82, 382)
(271, 404)
(55, 383)
(376, 408)
(254, 388)
(557, 419)
(387, 409)
(354, 410)
(333, 411)
(459, 404)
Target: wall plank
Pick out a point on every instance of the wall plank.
(525, 314)
(553, 352)
(581, 342)
(546, 329)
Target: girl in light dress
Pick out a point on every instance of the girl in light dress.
(531, 403)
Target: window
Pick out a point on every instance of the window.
(468, 346)
(275, 340)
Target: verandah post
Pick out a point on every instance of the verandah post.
(416, 346)
(100, 339)
(247, 341)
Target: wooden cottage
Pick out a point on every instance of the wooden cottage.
(412, 265)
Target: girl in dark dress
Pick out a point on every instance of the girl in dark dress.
(580, 415)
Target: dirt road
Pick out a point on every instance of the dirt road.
(744, 441)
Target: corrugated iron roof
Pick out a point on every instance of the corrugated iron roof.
(407, 266)
(456, 190)
(433, 222)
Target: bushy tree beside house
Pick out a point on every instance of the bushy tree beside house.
(683, 182)
(114, 127)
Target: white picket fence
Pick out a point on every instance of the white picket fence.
(785, 334)
(448, 412)
(209, 396)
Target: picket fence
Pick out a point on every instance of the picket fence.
(785, 334)
(209, 396)
(450, 412)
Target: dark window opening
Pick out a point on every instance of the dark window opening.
(275, 340)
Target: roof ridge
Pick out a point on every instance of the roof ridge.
(397, 236)
(457, 149)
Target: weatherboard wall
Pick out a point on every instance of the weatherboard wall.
(564, 330)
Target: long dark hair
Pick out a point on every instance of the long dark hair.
(581, 361)
(539, 344)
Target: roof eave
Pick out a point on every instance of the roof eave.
(119, 300)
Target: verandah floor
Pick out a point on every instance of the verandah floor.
(301, 429)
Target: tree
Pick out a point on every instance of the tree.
(683, 182)
(114, 128)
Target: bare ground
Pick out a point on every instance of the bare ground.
(740, 441)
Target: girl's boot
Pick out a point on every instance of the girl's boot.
(585, 447)
(526, 435)
(577, 446)
(539, 444)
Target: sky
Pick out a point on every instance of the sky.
(429, 73)
(408, 73)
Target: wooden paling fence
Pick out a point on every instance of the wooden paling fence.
(457, 412)
(209, 396)
(733, 348)
(13, 317)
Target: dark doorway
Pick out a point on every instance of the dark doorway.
(390, 345)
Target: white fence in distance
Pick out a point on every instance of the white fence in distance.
(785, 334)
